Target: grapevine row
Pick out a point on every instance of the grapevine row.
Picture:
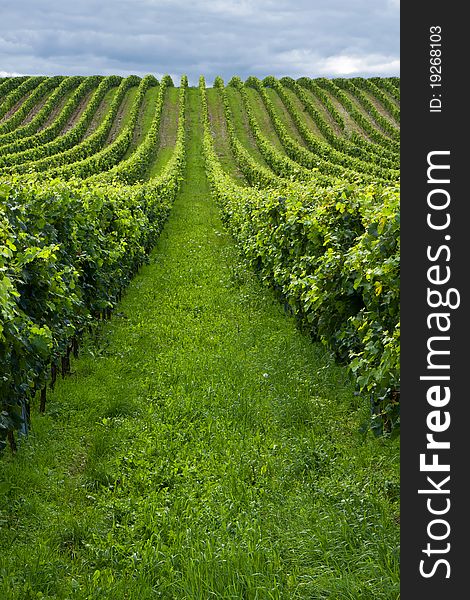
(282, 165)
(19, 93)
(67, 252)
(8, 84)
(385, 124)
(333, 254)
(10, 152)
(358, 116)
(380, 95)
(371, 153)
(321, 148)
(35, 123)
(19, 161)
(38, 94)
(299, 153)
(320, 223)
(86, 147)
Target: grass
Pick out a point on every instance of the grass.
(205, 448)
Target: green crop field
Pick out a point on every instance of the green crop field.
(199, 338)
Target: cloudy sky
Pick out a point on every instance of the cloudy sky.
(329, 38)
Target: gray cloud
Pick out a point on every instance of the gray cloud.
(218, 37)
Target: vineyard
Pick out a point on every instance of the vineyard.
(305, 178)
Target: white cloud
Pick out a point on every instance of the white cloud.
(344, 65)
(7, 74)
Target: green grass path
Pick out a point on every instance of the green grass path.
(206, 449)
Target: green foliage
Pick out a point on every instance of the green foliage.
(384, 123)
(334, 87)
(69, 250)
(318, 221)
(67, 84)
(333, 254)
(38, 93)
(366, 152)
(21, 153)
(204, 449)
(18, 93)
(323, 149)
(8, 84)
(90, 150)
(376, 87)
